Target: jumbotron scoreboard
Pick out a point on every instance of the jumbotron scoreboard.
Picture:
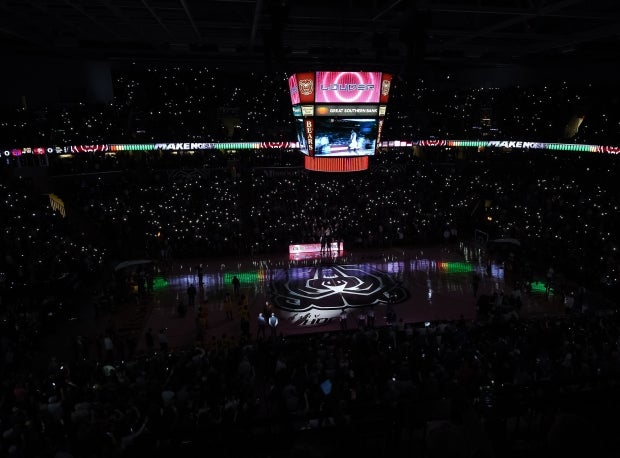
(339, 117)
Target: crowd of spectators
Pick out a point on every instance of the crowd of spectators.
(563, 210)
(554, 373)
(513, 388)
(181, 103)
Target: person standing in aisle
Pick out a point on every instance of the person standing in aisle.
(236, 285)
(150, 340)
(361, 320)
(228, 307)
(262, 324)
(343, 320)
(370, 318)
(163, 340)
(191, 295)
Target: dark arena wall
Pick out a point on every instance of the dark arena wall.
(40, 81)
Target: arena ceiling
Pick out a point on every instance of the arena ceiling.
(308, 34)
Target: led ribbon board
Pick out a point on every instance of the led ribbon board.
(190, 146)
(515, 144)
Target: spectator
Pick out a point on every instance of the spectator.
(108, 345)
(343, 319)
(163, 340)
(361, 320)
(236, 285)
(261, 323)
(273, 325)
(149, 340)
(191, 295)
(370, 318)
(228, 306)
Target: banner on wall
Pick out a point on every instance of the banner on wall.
(57, 204)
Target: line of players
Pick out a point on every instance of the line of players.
(326, 241)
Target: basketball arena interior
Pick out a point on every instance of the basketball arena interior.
(309, 229)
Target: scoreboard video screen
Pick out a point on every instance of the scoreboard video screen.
(339, 113)
(345, 136)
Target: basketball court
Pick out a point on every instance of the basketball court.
(308, 296)
(306, 293)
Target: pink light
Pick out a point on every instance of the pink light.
(348, 87)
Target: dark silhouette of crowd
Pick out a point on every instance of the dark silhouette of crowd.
(170, 103)
(502, 386)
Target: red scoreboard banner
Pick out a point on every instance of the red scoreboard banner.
(305, 87)
(386, 83)
(309, 135)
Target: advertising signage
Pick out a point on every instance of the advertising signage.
(349, 111)
(319, 135)
(339, 87)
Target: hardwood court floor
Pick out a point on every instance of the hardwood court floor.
(424, 283)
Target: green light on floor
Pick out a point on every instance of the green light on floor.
(244, 277)
(456, 267)
(159, 283)
(539, 288)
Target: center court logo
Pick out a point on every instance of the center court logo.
(315, 295)
(306, 87)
